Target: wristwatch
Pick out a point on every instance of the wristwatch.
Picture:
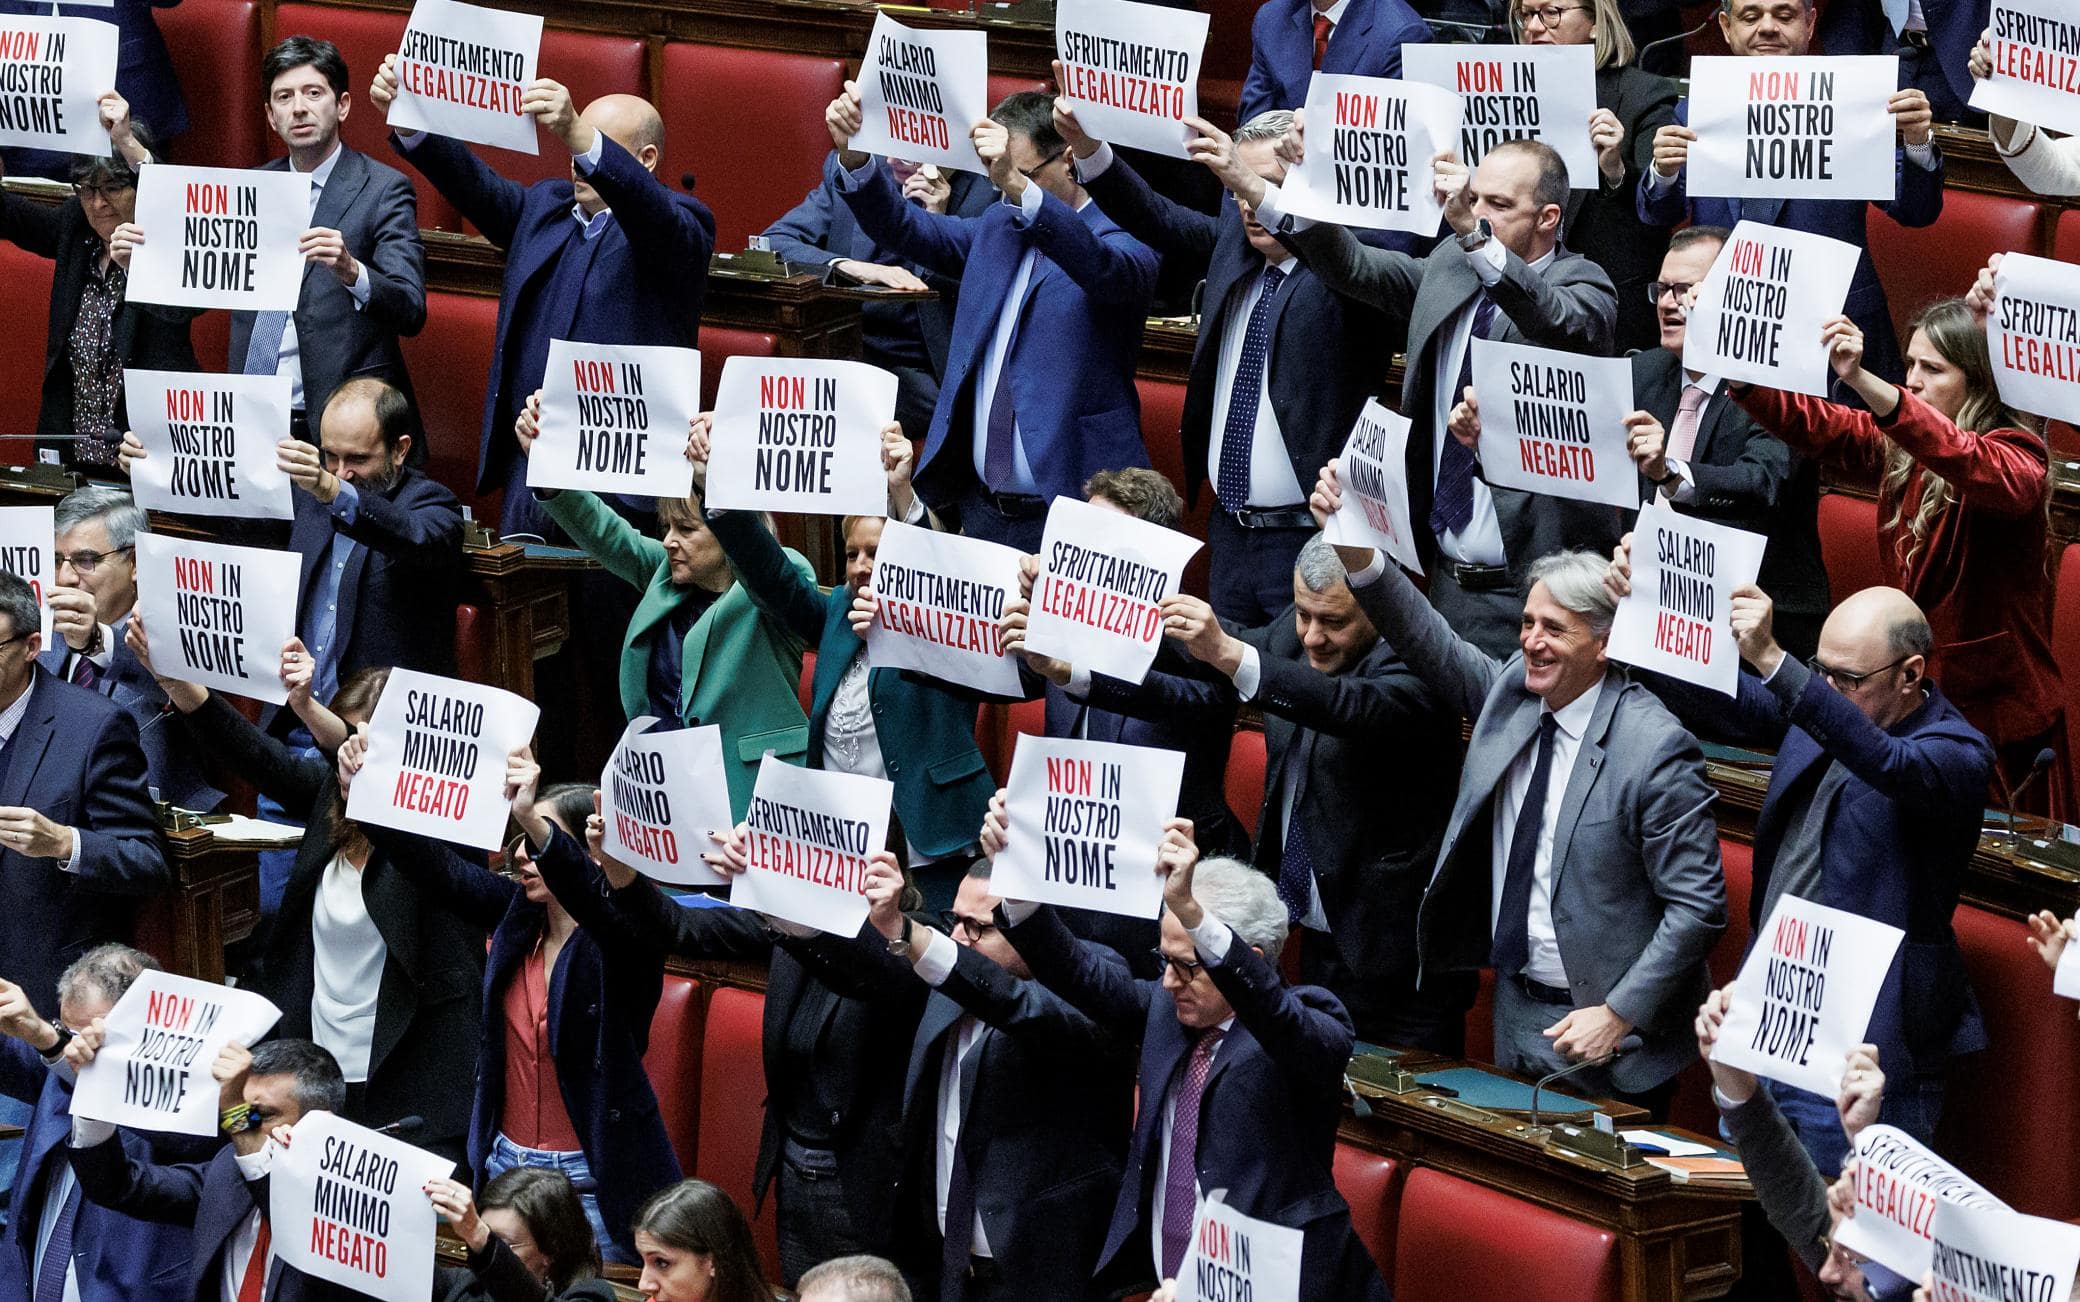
(901, 948)
(57, 1051)
(1481, 233)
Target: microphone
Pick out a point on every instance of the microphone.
(1640, 58)
(1624, 1046)
(686, 180)
(403, 1127)
(2037, 769)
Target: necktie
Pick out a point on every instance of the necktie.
(1513, 920)
(1181, 1181)
(254, 1284)
(1682, 436)
(1296, 868)
(960, 1184)
(1451, 507)
(85, 672)
(264, 349)
(57, 1253)
(999, 460)
(1239, 434)
(1321, 39)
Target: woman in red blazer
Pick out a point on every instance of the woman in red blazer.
(1963, 502)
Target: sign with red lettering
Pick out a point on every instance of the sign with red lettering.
(1805, 993)
(27, 549)
(1517, 92)
(1102, 575)
(1989, 1254)
(1370, 143)
(941, 598)
(1234, 1256)
(217, 614)
(1553, 422)
(807, 838)
(614, 419)
(1086, 818)
(436, 762)
(800, 434)
(1373, 472)
(2033, 334)
(1677, 619)
(1793, 126)
(1899, 1185)
(461, 70)
(209, 443)
(1759, 311)
(349, 1206)
(220, 237)
(53, 72)
(661, 796)
(1130, 71)
(164, 1034)
(2036, 64)
(920, 92)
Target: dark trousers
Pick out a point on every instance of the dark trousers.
(1251, 579)
(815, 1221)
(1390, 1010)
(979, 519)
(1488, 619)
(1521, 1046)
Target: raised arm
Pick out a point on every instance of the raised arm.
(1114, 269)
(464, 887)
(420, 526)
(2001, 471)
(1161, 223)
(1578, 316)
(290, 780)
(930, 239)
(620, 548)
(1384, 278)
(1311, 1042)
(1024, 1008)
(690, 933)
(111, 1177)
(1933, 773)
(490, 202)
(33, 227)
(1078, 971)
(781, 588)
(1459, 672)
(674, 239)
(1817, 427)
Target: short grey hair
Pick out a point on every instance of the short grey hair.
(105, 970)
(1246, 900)
(1318, 565)
(18, 604)
(862, 1279)
(115, 508)
(1575, 580)
(1271, 124)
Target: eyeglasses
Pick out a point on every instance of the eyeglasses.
(1187, 969)
(976, 928)
(1033, 173)
(10, 641)
(106, 192)
(1659, 288)
(1548, 16)
(1844, 681)
(88, 562)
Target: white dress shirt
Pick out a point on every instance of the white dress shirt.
(348, 955)
(966, 1033)
(238, 1253)
(1480, 543)
(290, 362)
(1271, 479)
(1572, 720)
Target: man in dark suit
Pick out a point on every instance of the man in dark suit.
(144, 72)
(1934, 46)
(1291, 40)
(1771, 28)
(908, 337)
(611, 256)
(1039, 392)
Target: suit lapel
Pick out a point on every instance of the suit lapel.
(1588, 766)
(32, 737)
(933, 1037)
(349, 177)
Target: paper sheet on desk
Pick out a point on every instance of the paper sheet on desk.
(1668, 1144)
(255, 831)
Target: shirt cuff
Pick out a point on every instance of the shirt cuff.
(849, 181)
(588, 160)
(409, 140)
(252, 1166)
(1090, 169)
(1788, 680)
(1249, 675)
(1017, 911)
(1657, 184)
(1685, 491)
(1079, 685)
(86, 1134)
(346, 506)
(107, 653)
(1371, 574)
(1273, 217)
(1211, 938)
(935, 961)
(70, 863)
(1725, 1104)
(1028, 203)
(1488, 262)
(1922, 155)
(2018, 139)
(915, 515)
(362, 286)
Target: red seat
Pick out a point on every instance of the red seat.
(720, 343)
(771, 97)
(1229, 45)
(1496, 1246)
(1371, 1184)
(1003, 85)
(2065, 649)
(592, 64)
(1012, 721)
(1480, 1021)
(472, 644)
(805, 688)
(2065, 242)
(1692, 1105)
(1245, 775)
(450, 364)
(732, 1108)
(211, 333)
(216, 53)
(1849, 544)
(673, 1064)
(1938, 261)
(1162, 419)
(28, 280)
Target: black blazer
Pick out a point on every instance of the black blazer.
(496, 1275)
(170, 762)
(1603, 224)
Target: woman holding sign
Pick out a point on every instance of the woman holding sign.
(528, 1238)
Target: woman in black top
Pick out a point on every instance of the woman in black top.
(528, 1241)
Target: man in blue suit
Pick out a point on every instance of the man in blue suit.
(1934, 48)
(611, 256)
(1039, 391)
(1755, 28)
(1291, 40)
(144, 73)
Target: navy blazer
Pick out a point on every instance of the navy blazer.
(649, 267)
(169, 762)
(1860, 27)
(1366, 43)
(1918, 201)
(1268, 1117)
(145, 74)
(1071, 362)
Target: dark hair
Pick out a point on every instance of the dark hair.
(1030, 113)
(982, 869)
(1142, 493)
(393, 411)
(18, 603)
(1551, 188)
(114, 167)
(319, 1085)
(695, 1216)
(293, 52)
(357, 694)
(1690, 235)
(555, 1217)
(570, 803)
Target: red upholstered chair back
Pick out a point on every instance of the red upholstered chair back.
(732, 1108)
(216, 53)
(805, 687)
(2065, 241)
(1245, 776)
(1692, 1105)
(720, 343)
(767, 96)
(1939, 261)
(1480, 1020)
(1012, 721)
(2065, 648)
(450, 364)
(1371, 1184)
(673, 1064)
(1460, 1240)
(211, 333)
(472, 644)
(592, 64)
(1162, 416)
(28, 281)
(1849, 544)
(1226, 66)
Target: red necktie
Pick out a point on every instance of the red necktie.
(1321, 39)
(254, 1284)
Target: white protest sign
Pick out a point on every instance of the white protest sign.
(2033, 334)
(1233, 1256)
(800, 434)
(661, 795)
(941, 596)
(1130, 71)
(2036, 64)
(210, 443)
(1678, 618)
(349, 1206)
(461, 70)
(1987, 1254)
(614, 419)
(2065, 978)
(1516, 92)
(163, 1036)
(1102, 576)
(1369, 145)
(1803, 126)
(920, 91)
(1373, 472)
(217, 614)
(1553, 422)
(807, 838)
(1899, 1185)
(220, 237)
(27, 550)
(1088, 817)
(436, 761)
(1759, 312)
(52, 73)
(1804, 995)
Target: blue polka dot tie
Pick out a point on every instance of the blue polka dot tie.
(1239, 434)
(1452, 506)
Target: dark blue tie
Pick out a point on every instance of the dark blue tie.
(57, 1252)
(1239, 434)
(1513, 920)
(1451, 507)
(1296, 868)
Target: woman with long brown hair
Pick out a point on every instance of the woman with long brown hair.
(696, 1247)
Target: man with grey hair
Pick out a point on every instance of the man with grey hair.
(853, 1279)
(1581, 859)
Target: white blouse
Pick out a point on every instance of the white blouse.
(348, 966)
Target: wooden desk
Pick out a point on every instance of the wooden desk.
(215, 902)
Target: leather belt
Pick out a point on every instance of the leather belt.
(1477, 578)
(1543, 993)
(1015, 506)
(1273, 517)
(982, 1270)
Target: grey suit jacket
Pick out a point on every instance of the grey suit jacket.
(1639, 897)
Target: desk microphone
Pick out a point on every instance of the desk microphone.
(1624, 1046)
(2037, 769)
(1650, 46)
(686, 179)
(403, 1127)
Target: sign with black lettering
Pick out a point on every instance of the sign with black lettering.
(1233, 1257)
(800, 434)
(1677, 619)
(662, 795)
(614, 419)
(807, 838)
(2036, 64)
(1803, 126)
(1373, 472)
(217, 614)
(1102, 576)
(1759, 311)
(1899, 1185)
(2033, 334)
(27, 550)
(1804, 996)
(920, 92)
(163, 1036)
(1370, 142)
(210, 443)
(53, 72)
(941, 599)
(1988, 1254)
(1086, 818)
(1553, 422)
(1130, 71)
(349, 1206)
(461, 69)
(436, 761)
(220, 237)
(1516, 92)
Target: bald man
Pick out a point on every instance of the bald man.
(611, 256)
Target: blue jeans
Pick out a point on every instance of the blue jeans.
(505, 1155)
(277, 865)
(1914, 1106)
